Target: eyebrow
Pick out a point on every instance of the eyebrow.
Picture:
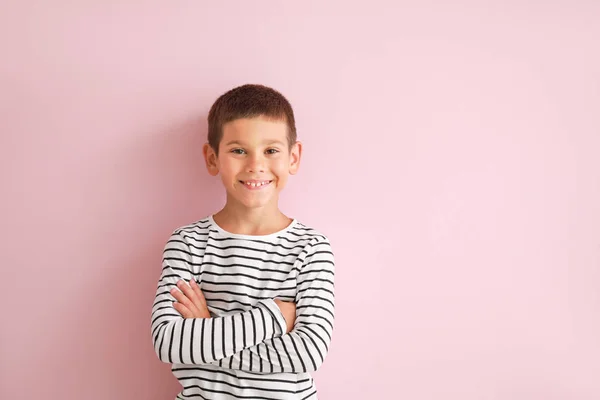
(242, 143)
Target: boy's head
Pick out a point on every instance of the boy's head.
(249, 101)
(252, 145)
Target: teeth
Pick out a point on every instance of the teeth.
(255, 184)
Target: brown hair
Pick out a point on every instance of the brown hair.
(249, 101)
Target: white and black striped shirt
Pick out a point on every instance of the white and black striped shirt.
(242, 352)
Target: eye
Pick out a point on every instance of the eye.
(272, 151)
(237, 151)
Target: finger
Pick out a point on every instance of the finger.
(198, 301)
(179, 296)
(183, 299)
(183, 310)
(187, 290)
(198, 292)
(202, 306)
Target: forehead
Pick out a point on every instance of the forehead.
(257, 129)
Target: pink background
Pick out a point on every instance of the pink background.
(452, 155)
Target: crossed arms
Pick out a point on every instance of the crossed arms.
(271, 337)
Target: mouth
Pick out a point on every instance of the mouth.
(253, 184)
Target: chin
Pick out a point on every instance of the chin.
(256, 203)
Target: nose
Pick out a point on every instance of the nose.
(255, 163)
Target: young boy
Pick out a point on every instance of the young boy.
(244, 306)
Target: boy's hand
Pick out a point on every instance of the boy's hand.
(190, 300)
(289, 313)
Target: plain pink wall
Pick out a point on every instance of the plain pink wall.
(452, 155)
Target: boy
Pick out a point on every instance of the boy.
(244, 306)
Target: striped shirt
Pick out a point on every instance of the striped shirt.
(243, 352)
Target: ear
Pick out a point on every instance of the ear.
(295, 156)
(210, 157)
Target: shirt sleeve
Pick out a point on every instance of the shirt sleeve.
(203, 340)
(304, 348)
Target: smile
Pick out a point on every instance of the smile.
(255, 184)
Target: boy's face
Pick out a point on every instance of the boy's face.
(254, 161)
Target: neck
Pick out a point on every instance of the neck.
(256, 221)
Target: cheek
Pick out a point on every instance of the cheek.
(280, 167)
(228, 169)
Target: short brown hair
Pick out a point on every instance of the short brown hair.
(249, 101)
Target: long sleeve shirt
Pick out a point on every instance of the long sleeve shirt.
(243, 351)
